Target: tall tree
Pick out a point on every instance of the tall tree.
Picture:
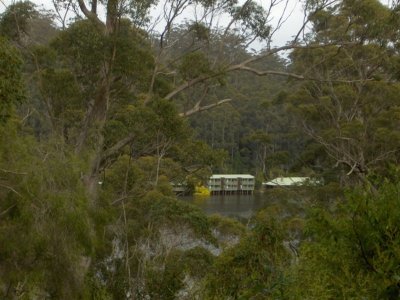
(347, 107)
(178, 71)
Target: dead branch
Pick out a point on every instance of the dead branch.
(189, 84)
(197, 108)
(270, 72)
(7, 209)
(244, 66)
(59, 16)
(352, 169)
(10, 188)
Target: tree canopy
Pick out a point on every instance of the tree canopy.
(101, 115)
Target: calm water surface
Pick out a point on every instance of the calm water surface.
(231, 205)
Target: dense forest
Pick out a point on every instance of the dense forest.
(103, 106)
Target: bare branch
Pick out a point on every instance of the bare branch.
(7, 209)
(10, 188)
(352, 169)
(171, 15)
(197, 108)
(298, 76)
(270, 72)
(243, 66)
(292, 46)
(189, 84)
(59, 16)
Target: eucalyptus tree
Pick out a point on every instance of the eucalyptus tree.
(169, 65)
(350, 108)
(107, 87)
(111, 58)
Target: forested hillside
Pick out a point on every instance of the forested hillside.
(103, 106)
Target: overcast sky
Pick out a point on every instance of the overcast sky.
(294, 16)
(285, 33)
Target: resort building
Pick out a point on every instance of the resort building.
(231, 184)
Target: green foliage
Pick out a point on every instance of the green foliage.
(201, 31)
(161, 272)
(253, 17)
(84, 50)
(254, 267)
(342, 110)
(124, 177)
(11, 85)
(133, 58)
(60, 86)
(14, 22)
(103, 85)
(165, 283)
(95, 289)
(44, 57)
(197, 262)
(160, 210)
(138, 11)
(227, 226)
(156, 125)
(352, 250)
(194, 65)
(198, 156)
(355, 20)
(164, 145)
(45, 225)
(252, 127)
(84, 47)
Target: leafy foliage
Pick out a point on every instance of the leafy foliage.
(254, 267)
(45, 226)
(92, 138)
(14, 22)
(11, 84)
(352, 250)
(352, 92)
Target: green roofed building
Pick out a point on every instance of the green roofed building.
(291, 181)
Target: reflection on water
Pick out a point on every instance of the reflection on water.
(230, 205)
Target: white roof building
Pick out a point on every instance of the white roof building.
(231, 176)
(291, 181)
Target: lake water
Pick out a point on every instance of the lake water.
(290, 201)
(243, 206)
